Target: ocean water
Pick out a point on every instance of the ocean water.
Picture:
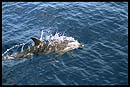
(101, 26)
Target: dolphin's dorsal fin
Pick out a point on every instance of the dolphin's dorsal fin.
(36, 41)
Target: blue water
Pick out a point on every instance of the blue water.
(101, 26)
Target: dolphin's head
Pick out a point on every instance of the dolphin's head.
(75, 44)
(81, 46)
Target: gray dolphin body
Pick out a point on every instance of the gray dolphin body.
(48, 47)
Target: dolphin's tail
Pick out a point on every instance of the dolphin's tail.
(7, 57)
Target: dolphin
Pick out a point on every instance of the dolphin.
(43, 47)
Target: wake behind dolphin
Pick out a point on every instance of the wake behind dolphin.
(55, 44)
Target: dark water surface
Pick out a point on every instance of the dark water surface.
(101, 26)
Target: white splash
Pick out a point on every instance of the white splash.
(57, 37)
